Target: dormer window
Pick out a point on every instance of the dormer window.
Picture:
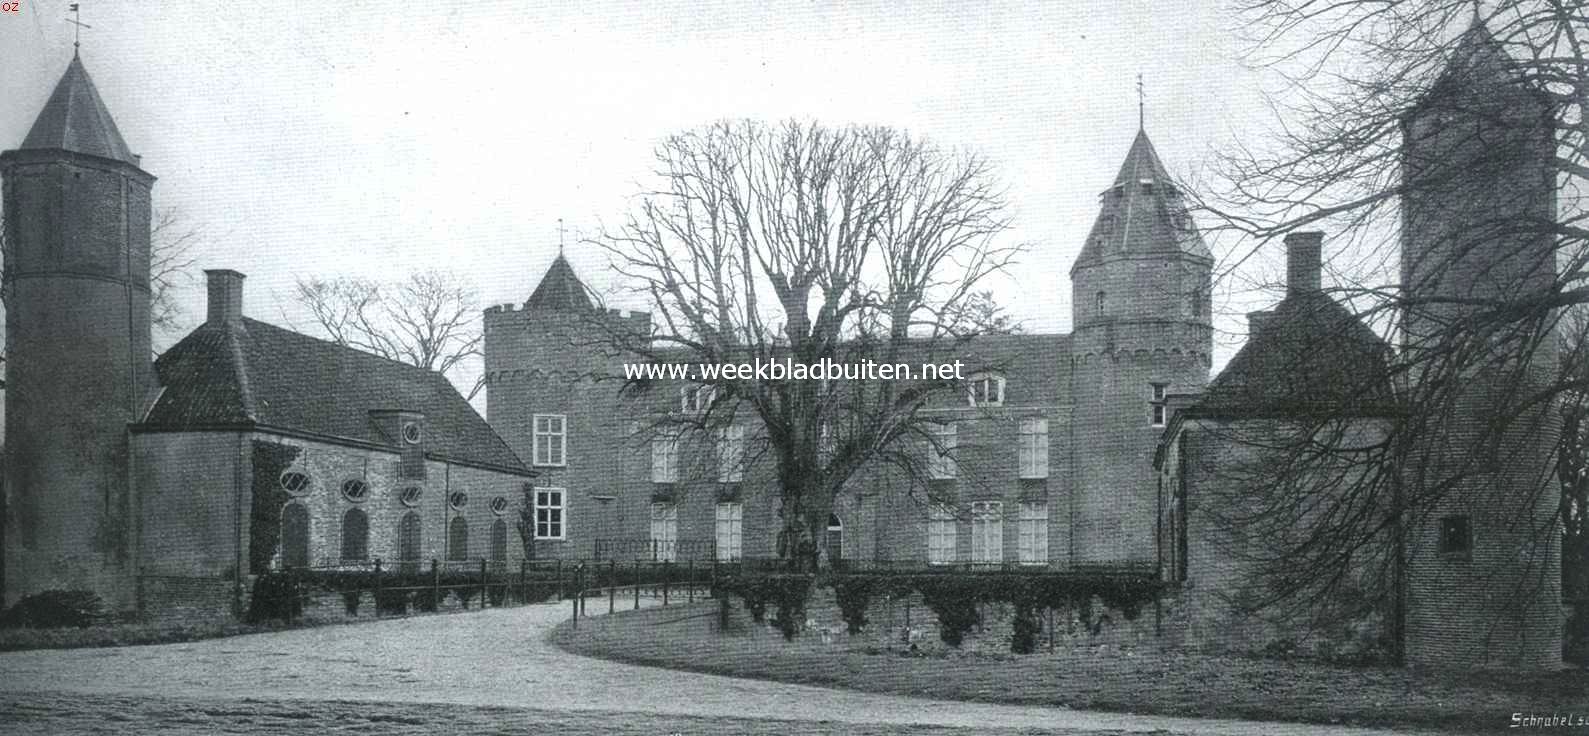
(695, 399)
(986, 390)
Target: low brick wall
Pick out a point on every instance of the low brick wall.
(174, 599)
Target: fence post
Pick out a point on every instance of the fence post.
(690, 575)
(665, 576)
(612, 585)
(579, 585)
(435, 584)
(485, 590)
(636, 585)
(375, 591)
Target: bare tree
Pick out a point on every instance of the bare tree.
(428, 319)
(1386, 135)
(809, 243)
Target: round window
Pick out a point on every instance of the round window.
(411, 433)
(409, 496)
(295, 482)
(499, 505)
(355, 490)
(458, 499)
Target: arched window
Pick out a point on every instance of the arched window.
(408, 540)
(458, 539)
(294, 535)
(499, 541)
(834, 540)
(355, 535)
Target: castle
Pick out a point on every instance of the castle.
(247, 447)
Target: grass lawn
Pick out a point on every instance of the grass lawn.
(1110, 678)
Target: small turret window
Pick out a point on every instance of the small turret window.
(1456, 536)
(1099, 303)
(1159, 410)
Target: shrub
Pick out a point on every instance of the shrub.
(426, 600)
(854, 594)
(464, 595)
(55, 609)
(277, 596)
(388, 601)
(954, 600)
(496, 595)
(350, 601)
(1026, 628)
(790, 592)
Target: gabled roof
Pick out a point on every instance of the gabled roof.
(1142, 212)
(258, 374)
(560, 289)
(1309, 356)
(75, 119)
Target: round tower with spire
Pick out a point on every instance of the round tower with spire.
(78, 362)
(1141, 331)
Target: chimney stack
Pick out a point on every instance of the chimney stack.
(225, 297)
(1256, 321)
(1303, 252)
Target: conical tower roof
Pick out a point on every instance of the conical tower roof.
(75, 119)
(560, 289)
(1142, 212)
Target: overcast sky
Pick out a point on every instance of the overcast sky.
(382, 138)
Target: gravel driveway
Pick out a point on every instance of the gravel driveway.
(482, 671)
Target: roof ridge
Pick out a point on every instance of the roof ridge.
(340, 346)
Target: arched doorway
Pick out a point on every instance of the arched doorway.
(458, 539)
(294, 535)
(408, 541)
(833, 539)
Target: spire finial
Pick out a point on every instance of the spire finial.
(560, 236)
(77, 33)
(1141, 105)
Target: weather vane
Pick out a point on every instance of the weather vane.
(77, 33)
(560, 236)
(1141, 104)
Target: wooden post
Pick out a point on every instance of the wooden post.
(665, 570)
(435, 584)
(485, 590)
(612, 586)
(636, 585)
(376, 591)
(690, 575)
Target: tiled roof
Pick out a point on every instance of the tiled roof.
(1310, 356)
(1142, 212)
(75, 119)
(560, 289)
(266, 376)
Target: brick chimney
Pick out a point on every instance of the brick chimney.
(1302, 262)
(225, 298)
(1257, 321)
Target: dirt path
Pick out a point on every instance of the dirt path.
(484, 667)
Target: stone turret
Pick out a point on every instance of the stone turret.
(1140, 309)
(1483, 561)
(78, 363)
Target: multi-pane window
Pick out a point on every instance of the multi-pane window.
(549, 513)
(940, 535)
(730, 528)
(731, 454)
(551, 439)
(987, 531)
(1032, 542)
(665, 459)
(986, 390)
(664, 531)
(1032, 451)
(1157, 404)
(940, 451)
(695, 399)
